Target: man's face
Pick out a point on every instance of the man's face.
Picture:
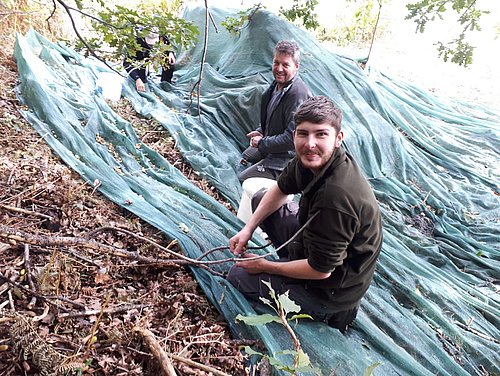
(315, 144)
(284, 68)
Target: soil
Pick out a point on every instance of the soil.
(67, 307)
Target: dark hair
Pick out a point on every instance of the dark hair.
(289, 48)
(318, 110)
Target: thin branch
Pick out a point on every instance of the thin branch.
(296, 342)
(374, 30)
(93, 312)
(213, 22)
(477, 333)
(197, 85)
(29, 277)
(24, 211)
(90, 49)
(48, 299)
(45, 241)
(203, 367)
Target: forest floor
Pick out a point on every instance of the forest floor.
(82, 306)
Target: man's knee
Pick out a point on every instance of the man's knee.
(257, 198)
(234, 275)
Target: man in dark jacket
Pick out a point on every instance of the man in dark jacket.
(329, 265)
(271, 145)
(136, 66)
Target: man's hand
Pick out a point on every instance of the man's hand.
(140, 85)
(254, 134)
(253, 266)
(238, 243)
(254, 141)
(171, 58)
(255, 137)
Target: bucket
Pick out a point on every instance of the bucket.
(110, 85)
(250, 187)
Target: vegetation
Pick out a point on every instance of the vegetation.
(358, 28)
(362, 26)
(283, 306)
(114, 31)
(458, 50)
(303, 11)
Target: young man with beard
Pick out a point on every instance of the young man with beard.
(271, 145)
(329, 265)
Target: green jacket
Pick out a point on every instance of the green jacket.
(345, 237)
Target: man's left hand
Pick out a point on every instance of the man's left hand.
(254, 141)
(255, 266)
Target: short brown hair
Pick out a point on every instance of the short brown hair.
(319, 110)
(290, 48)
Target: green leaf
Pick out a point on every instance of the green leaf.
(258, 319)
(302, 359)
(251, 351)
(300, 316)
(288, 304)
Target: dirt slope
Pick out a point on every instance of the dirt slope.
(85, 302)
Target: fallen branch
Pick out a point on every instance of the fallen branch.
(122, 308)
(24, 211)
(158, 352)
(164, 357)
(203, 367)
(29, 277)
(15, 235)
(45, 298)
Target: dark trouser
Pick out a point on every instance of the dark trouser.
(252, 156)
(258, 171)
(167, 73)
(252, 287)
(281, 226)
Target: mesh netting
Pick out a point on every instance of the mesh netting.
(433, 307)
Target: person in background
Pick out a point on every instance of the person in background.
(329, 265)
(271, 144)
(136, 66)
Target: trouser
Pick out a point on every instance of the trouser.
(252, 287)
(167, 73)
(258, 171)
(281, 226)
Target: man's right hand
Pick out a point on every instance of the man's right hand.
(254, 134)
(238, 243)
(140, 85)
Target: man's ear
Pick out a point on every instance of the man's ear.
(340, 138)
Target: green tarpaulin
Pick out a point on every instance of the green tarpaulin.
(433, 307)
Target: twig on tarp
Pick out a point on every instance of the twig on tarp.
(477, 333)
